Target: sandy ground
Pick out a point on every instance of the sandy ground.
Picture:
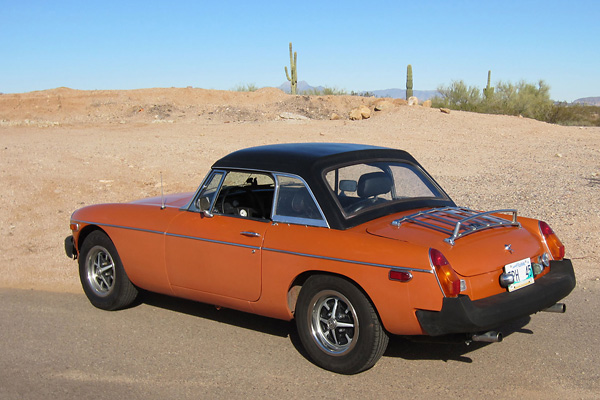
(63, 149)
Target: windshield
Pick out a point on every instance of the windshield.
(363, 186)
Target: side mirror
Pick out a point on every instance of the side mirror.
(203, 204)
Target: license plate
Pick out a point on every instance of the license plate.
(522, 272)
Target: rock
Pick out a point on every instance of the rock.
(334, 117)
(445, 110)
(362, 112)
(413, 101)
(365, 112)
(400, 102)
(355, 115)
(289, 115)
(384, 105)
(427, 104)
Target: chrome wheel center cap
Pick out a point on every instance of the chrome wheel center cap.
(331, 324)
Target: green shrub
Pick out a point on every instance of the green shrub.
(575, 115)
(526, 99)
(251, 87)
(458, 96)
(326, 91)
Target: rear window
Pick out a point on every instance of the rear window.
(363, 186)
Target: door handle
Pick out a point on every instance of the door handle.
(250, 234)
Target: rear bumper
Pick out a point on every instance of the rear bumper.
(461, 315)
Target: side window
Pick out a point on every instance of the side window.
(245, 194)
(207, 195)
(295, 204)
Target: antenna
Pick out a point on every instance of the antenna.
(162, 195)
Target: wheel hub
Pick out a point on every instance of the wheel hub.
(334, 323)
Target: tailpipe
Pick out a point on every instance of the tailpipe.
(487, 337)
(557, 308)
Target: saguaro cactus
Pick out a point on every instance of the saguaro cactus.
(488, 92)
(294, 78)
(409, 82)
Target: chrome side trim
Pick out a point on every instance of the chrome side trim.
(213, 241)
(173, 235)
(368, 264)
(120, 227)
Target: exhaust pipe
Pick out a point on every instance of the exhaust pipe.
(487, 337)
(557, 308)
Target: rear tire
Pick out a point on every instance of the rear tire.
(338, 325)
(102, 276)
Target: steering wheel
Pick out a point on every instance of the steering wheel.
(251, 211)
(356, 207)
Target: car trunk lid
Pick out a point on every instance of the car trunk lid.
(473, 242)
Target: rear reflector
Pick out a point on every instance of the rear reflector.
(401, 276)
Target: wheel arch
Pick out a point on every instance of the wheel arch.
(296, 287)
(85, 232)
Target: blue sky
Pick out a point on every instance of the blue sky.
(351, 45)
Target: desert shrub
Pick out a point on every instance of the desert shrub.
(458, 96)
(574, 115)
(250, 87)
(362, 94)
(526, 99)
(326, 91)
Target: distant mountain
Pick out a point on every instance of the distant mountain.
(590, 101)
(422, 95)
(302, 87)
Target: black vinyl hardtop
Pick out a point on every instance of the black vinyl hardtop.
(300, 158)
(311, 161)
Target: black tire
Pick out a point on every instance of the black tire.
(348, 342)
(102, 276)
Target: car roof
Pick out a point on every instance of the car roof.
(311, 160)
(301, 158)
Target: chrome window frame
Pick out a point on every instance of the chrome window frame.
(322, 223)
(192, 206)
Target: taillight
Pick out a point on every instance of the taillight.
(447, 277)
(557, 249)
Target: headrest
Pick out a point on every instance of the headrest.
(373, 184)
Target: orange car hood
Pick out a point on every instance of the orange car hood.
(477, 253)
(172, 200)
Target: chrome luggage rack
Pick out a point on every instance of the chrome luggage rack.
(458, 222)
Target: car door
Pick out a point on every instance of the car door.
(216, 246)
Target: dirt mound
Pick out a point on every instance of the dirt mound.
(64, 106)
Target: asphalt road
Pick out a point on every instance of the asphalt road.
(58, 346)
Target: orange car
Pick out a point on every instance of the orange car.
(354, 242)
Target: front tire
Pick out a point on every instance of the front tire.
(338, 325)
(102, 276)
